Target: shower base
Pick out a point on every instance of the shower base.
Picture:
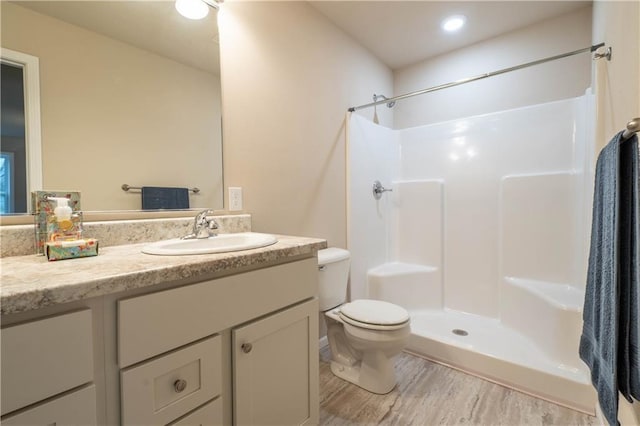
(486, 348)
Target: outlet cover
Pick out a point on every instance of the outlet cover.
(235, 198)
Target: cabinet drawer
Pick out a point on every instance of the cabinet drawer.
(45, 357)
(209, 414)
(170, 386)
(77, 408)
(173, 318)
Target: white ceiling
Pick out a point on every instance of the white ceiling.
(399, 33)
(402, 33)
(155, 26)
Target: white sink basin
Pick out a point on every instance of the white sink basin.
(221, 243)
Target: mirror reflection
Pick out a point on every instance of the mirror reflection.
(13, 186)
(129, 94)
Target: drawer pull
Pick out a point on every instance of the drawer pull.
(246, 347)
(179, 385)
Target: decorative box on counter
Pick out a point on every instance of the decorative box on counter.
(59, 250)
(43, 209)
(58, 225)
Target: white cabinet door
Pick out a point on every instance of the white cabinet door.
(43, 358)
(75, 409)
(276, 368)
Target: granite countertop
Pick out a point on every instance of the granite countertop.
(32, 282)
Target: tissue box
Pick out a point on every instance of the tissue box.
(58, 250)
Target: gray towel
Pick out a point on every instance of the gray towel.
(629, 267)
(599, 342)
(608, 345)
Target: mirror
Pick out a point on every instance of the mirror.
(129, 94)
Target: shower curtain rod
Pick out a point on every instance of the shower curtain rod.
(593, 48)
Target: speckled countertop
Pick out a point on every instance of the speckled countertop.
(31, 282)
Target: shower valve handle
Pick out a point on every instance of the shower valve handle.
(378, 189)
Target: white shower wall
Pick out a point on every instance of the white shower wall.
(486, 230)
(373, 153)
(502, 187)
(509, 205)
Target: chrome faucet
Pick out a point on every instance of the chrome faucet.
(203, 227)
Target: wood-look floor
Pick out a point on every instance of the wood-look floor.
(432, 394)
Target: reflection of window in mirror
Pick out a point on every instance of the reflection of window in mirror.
(20, 161)
(7, 191)
(13, 183)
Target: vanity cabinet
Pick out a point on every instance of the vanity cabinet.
(246, 343)
(47, 370)
(240, 347)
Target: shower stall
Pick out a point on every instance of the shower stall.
(483, 238)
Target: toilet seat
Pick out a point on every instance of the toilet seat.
(374, 315)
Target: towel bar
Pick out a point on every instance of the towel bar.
(633, 126)
(126, 187)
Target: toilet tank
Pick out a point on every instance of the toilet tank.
(333, 272)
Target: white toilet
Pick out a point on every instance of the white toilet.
(364, 335)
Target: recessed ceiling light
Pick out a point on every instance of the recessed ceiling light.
(453, 23)
(192, 9)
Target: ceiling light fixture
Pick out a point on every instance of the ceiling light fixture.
(453, 23)
(192, 9)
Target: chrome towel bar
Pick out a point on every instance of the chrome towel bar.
(126, 187)
(633, 126)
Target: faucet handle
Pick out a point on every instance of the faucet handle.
(378, 190)
(202, 226)
(203, 215)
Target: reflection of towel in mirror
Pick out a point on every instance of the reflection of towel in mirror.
(610, 335)
(154, 197)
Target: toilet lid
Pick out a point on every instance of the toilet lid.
(374, 312)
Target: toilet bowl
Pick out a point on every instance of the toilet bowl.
(364, 335)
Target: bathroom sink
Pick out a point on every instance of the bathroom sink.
(221, 243)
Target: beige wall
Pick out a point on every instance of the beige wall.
(617, 81)
(554, 80)
(288, 77)
(618, 95)
(114, 114)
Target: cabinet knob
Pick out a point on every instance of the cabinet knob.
(246, 347)
(179, 385)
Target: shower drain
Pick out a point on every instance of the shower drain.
(460, 332)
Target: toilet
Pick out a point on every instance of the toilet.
(364, 335)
